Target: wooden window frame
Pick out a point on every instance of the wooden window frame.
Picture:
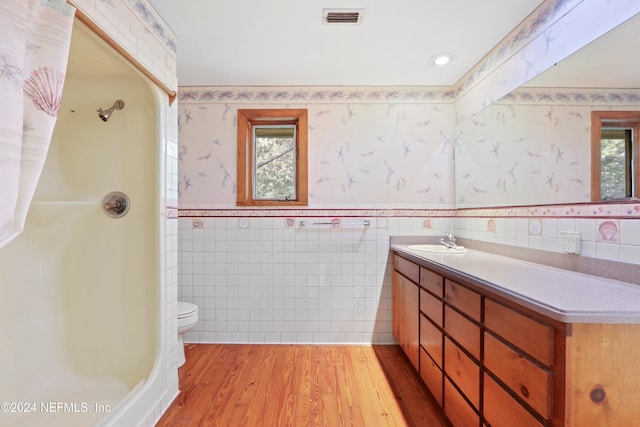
(623, 119)
(247, 119)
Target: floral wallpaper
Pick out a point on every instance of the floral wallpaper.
(387, 146)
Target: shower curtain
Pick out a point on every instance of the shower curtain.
(35, 36)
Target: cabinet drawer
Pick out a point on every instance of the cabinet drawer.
(533, 337)
(431, 375)
(432, 282)
(525, 379)
(431, 306)
(462, 298)
(500, 409)
(407, 268)
(464, 331)
(431, 340)
(459, 412)
(464, 372)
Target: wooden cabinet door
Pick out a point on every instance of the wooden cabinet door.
(406, 316)
(397, 306)
(412, 322)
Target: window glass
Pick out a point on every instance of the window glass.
(615, 176)
(615, 155)
(274, 150)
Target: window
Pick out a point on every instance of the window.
(272, 157)
(615, 155)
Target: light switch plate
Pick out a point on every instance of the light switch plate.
(570, 242)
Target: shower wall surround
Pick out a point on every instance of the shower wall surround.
(137, 28)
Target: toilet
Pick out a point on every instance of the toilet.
(187, 319)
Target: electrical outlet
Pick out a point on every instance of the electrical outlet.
(570, 242)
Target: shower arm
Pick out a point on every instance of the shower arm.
(106, 114)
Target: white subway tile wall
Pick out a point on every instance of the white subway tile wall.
(624, 246)
(269, 280)
(261, 280)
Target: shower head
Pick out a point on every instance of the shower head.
(105, 114)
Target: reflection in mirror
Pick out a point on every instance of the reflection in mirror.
(532, 147)
(615, 155)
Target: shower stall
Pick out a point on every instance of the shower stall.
(81, 291)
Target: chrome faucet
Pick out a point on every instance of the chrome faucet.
(449, 241)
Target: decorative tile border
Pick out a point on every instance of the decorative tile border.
(587, 210)
(403, 94)
(313, 213)
(605, 211)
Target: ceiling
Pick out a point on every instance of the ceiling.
(285, 42)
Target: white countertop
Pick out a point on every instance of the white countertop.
(563, 295)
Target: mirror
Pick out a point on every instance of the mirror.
(533, 145)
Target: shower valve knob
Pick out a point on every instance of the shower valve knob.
(116, 204)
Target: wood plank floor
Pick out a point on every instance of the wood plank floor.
(300, 385)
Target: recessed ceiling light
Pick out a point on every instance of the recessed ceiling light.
(441, 59)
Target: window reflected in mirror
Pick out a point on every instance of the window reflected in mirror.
(615, 154)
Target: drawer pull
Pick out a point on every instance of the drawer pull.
(524, 391)
(598, 394)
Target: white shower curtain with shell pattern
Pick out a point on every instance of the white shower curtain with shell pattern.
(35, 36)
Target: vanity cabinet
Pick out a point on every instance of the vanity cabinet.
(489, 361)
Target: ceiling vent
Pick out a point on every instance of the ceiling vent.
(342, 16)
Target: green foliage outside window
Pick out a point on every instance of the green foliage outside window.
(275, 175)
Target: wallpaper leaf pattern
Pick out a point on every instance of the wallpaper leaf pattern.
(532, 148)
(375, 152)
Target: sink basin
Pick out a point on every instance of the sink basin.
(439, 249)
